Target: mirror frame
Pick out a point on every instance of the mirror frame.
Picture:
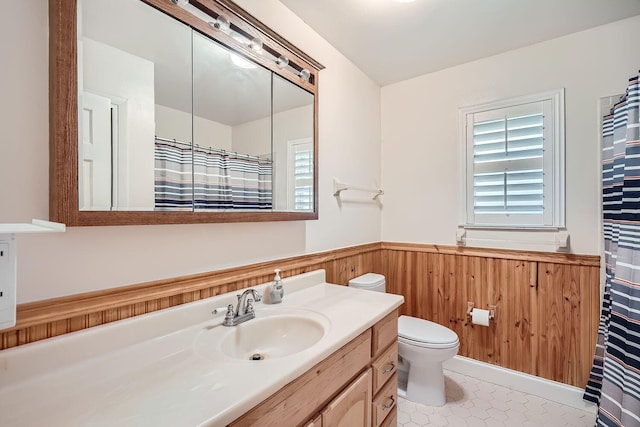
(63, 112)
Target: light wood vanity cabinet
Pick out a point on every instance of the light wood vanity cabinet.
(355, 386)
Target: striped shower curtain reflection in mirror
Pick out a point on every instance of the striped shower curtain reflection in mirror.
(203, 179)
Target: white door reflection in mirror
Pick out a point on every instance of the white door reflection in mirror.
(94, 152)
(129, 53)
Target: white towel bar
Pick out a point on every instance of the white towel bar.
(339, 187)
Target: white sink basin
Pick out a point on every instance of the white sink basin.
(270, 335)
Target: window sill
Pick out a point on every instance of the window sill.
(511, 228)
(551, 239)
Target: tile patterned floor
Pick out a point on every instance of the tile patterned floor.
(472, 402)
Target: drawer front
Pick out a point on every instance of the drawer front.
(316, 422)
(385, 401)
(384, 367)
(392, 419)
(384, 333)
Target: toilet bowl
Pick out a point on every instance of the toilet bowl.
(422, 346)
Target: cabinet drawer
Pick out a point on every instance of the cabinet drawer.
(391, 420)
(385, 366)
(385, 402)
(316, 422)
(384, 333)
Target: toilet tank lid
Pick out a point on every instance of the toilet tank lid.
(424, 331)
(367, 280)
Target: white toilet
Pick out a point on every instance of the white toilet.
(422, 347)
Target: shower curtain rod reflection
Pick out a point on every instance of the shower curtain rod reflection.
(213, 150)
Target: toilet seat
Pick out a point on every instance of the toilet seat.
(423, 333)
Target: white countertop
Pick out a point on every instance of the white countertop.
(149, 371)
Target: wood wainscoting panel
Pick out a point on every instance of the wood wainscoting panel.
(567, 314)
(547, 305)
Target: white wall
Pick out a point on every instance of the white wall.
(289, 125)
(90, 258)
(252, 137)
(420, 129)
(420, 144)
(172, 123)
(349, 134)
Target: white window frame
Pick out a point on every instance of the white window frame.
(554, 166)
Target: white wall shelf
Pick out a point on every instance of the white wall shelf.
(36, 226)
(8, 264)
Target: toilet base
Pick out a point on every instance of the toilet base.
(425, 384)
(403, 378)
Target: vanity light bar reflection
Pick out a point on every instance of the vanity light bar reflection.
(222, 23)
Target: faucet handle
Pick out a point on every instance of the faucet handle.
(257, 296)
(249, 308)
(220, 310)
(230, 313)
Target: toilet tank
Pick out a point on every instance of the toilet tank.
(369, 281)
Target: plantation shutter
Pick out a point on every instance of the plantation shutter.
(512, 161)
(304, 180)
(301, 153)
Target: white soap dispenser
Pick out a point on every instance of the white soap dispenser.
(276, 290)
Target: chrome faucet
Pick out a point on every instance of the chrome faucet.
(244, 309)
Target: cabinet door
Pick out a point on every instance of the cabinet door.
(352, 407)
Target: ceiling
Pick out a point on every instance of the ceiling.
(392, 41)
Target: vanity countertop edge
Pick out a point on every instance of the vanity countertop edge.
(147, 370)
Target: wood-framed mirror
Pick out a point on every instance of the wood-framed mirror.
(178, 112)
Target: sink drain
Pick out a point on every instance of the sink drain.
(256, 356)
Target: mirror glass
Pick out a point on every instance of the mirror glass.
(232, 129)
(171, 120)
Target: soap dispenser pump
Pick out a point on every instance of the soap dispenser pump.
(276, 290)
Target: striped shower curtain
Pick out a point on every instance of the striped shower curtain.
(202, 179)
(614, 383)
(173, 171)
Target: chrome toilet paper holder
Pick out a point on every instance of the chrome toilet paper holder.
(492, 310)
